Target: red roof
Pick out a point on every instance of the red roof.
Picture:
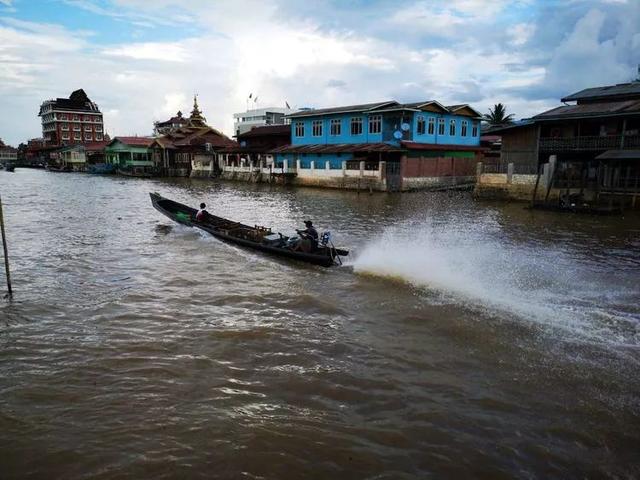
(429, 146)
(95, 146)
(134, 141)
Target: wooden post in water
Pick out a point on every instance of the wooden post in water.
(4, 247)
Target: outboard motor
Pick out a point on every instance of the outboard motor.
(325, 238)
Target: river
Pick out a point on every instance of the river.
(460, 340)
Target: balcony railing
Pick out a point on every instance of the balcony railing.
(596, 142)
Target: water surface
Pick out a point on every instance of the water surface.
(462, 340)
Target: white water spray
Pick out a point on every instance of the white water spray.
(476, 265)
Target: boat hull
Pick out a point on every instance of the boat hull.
(186, 215)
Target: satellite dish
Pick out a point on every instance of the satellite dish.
(405, 127)
(397, 134)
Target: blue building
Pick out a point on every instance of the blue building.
(397, 136)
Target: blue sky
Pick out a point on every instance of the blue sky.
(143, 60)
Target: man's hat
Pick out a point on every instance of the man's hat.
(309, 223)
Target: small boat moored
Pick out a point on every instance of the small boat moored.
(256, 237)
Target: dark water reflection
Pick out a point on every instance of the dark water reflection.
(464, 340)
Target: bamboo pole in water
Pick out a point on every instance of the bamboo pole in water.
(4, 247)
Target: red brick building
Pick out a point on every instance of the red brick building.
(71, 120)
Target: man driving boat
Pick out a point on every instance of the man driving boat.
(309, 238)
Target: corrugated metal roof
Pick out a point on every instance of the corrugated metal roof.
(620, 89)
(348, 108)
(619, 155)
(591, 110)
(267, 130)
(135, 141)
(430, 146)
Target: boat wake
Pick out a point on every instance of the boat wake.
(476, 266)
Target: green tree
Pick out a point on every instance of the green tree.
(498, 116)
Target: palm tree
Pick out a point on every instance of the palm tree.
(497, 116)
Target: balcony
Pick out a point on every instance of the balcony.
(589, 143)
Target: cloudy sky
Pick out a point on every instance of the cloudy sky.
(142, 60)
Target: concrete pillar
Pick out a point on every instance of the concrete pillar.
(313, 165)
(545, 175)
(344, 168)
(285, 164)
(382, 169)
(327, 165)
(479, 167)
(251, 165)
(298, 164)
(362, 168)
(509, 173)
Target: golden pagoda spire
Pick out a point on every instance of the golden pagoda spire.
(196, 119)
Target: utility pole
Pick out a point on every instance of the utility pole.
(4, 247)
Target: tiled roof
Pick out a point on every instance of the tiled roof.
(134, 141)
(95, 146)
(621, 89)
(338, 148)
(599, 109)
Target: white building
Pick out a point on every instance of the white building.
(245, 121)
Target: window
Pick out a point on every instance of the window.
(356, 126)
(87, 136)
(422, 126)
(336, 126)
(316, 128)
(65, 136)
(474, 129)
(76, 117)
(98, 128)
(99, 137)
(452, 128)
(87, 118)
(441, 126)
(65, 127)
(432, 126)
(96, 119)
(76, 127)
(463, 128)
(299, 129)
(375, 124)
(63, 116)
(77, 136)
(87, 128)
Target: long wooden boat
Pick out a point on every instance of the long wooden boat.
(257, 238)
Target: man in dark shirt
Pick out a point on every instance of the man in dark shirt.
(310, 234)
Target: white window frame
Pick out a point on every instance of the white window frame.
(87, 128)
(316, 128)
(65, 136)
(431, 127)
(421, 123)
(76, 128)
(474, 129)
(76, 118)
(356, 124)
(452, 128)
(88, 136)
(98, 128)
(335, 127)
(441, 126)
(98, 137)
(299, 129)
(375, 121)
(77, 136)
(64, 127)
